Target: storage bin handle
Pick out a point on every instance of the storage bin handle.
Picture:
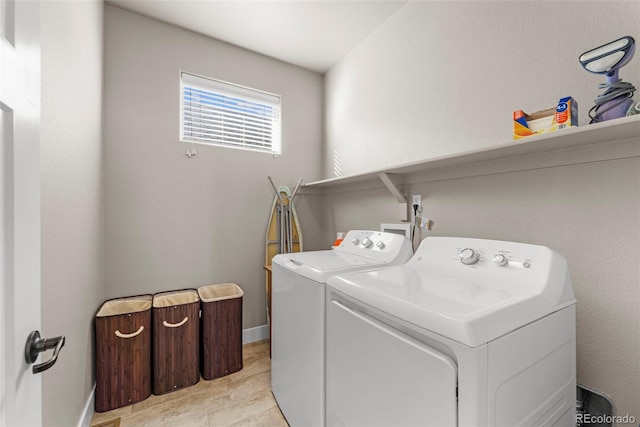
(175, 325)
(131, 335)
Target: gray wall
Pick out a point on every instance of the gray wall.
(174, 222)
(444, 77)
(72, 205)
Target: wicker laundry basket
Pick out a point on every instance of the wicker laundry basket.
(123, 352)
(221, 336)
(176, 333)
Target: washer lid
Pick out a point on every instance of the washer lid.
(469, 304)
(320, 265)
(360, 250)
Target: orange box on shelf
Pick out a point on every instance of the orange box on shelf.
(563, 115)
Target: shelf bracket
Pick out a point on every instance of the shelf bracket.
(384, 177)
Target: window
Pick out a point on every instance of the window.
(220, 113)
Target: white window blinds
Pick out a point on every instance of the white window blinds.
(220, 113)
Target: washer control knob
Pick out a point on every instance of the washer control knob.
(381, 245)
(355, 241)
(366, 242)
(468, 256)
(500, 260)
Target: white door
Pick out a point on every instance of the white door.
(20, 389)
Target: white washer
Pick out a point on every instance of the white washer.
(298, 316)
(469, 333)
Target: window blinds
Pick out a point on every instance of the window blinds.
(220, 113)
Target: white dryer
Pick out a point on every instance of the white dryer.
(298, 316)
(469, 333)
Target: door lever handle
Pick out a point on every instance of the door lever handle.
(36, 345)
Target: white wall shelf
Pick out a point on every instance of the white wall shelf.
(609, 140)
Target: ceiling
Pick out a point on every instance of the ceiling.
(313, 34)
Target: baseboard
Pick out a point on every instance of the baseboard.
(89, 409)
(258, 333)
(250, 335)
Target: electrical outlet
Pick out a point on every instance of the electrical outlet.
(416, 199)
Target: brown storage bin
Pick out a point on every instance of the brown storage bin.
(221, 336)
(176, 333)
(123, 352)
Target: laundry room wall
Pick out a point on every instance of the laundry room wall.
(443, 77)
(439, 78)
(71, 199)
(174, 222)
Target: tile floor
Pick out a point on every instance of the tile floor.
(240, 399)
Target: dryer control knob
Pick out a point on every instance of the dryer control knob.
(381, 245)
(500, 260)
(355, 241)
(366, 242)
(468, 256)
